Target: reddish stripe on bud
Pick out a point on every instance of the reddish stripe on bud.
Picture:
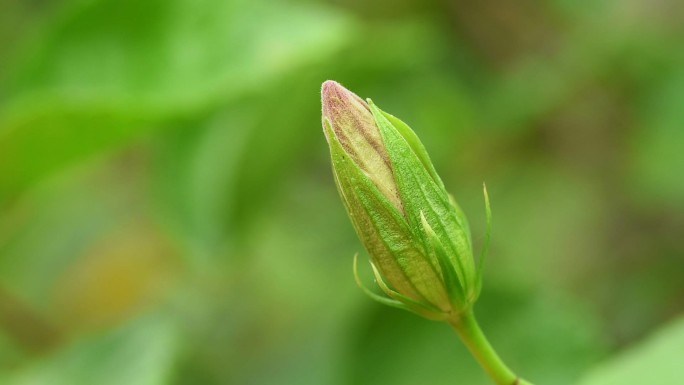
(354, 127)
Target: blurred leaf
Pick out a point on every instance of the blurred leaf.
(110, 71)
(139, 353)
(658, 360)
(195, 167)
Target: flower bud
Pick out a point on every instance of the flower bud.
(416, 235)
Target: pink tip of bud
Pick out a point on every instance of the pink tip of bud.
(338, 100)
(356, 130)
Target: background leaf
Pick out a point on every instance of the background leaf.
(658, 359)
(106, 72)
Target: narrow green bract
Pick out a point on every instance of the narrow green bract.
(417, 237)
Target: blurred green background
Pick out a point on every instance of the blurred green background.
(168, 214)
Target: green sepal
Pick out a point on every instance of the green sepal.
(462, 219)
(371, 294)
(453, 286)
(419, 191)
(485, 244)
(395, 299)
(415, 143)
(426, 310)
(385, 233)
(344, 166)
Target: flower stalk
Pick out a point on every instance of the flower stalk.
(471, 334)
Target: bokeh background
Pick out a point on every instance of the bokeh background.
(168, 214)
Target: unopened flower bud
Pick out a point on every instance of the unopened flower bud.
(417, 237)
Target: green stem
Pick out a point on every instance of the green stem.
(468, 329)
